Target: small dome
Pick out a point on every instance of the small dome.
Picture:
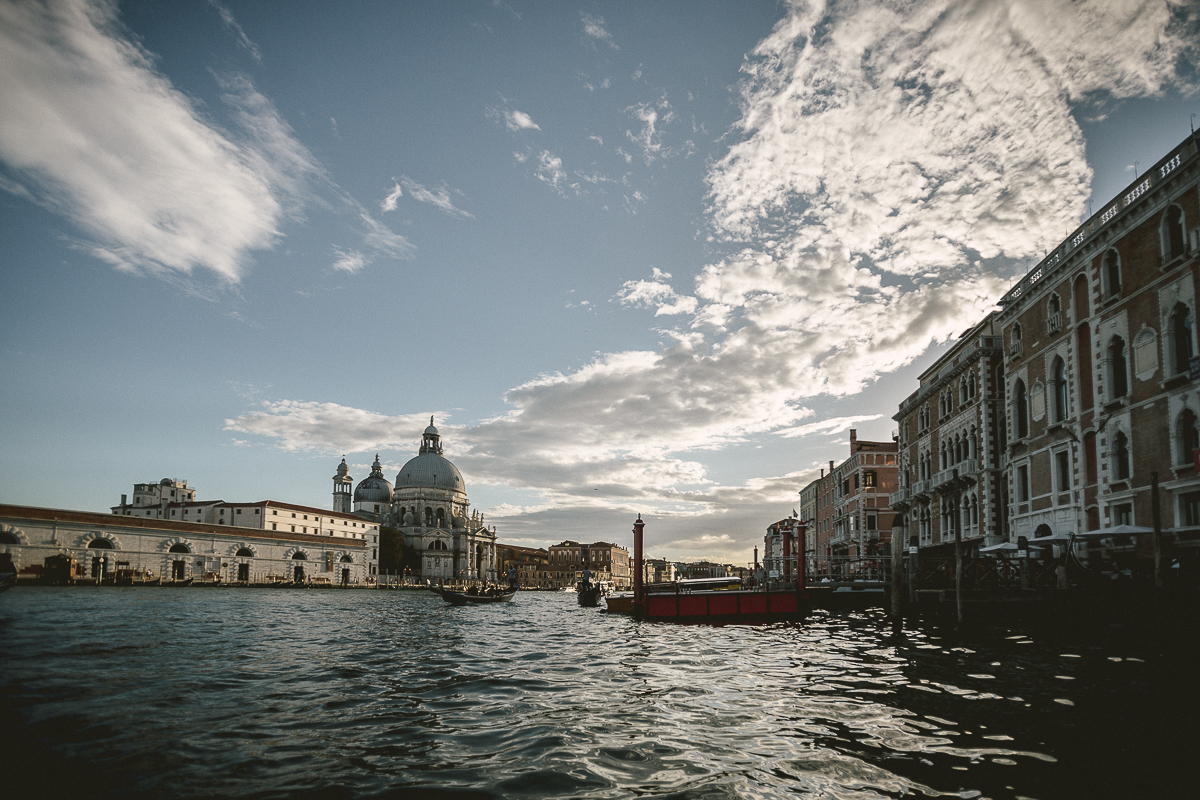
(374, 488)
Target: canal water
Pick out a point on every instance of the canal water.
(154, 692)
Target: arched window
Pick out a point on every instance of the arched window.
(1187, 436)
(428, 516)
(10, 538)
(1020, 410)
(298, 556)
(179, 548)
(347, 560)
(1110, 273)
(1172, 233)
(1054, 320)
(1118, 376)
(1059, 386)
(441, 517)
(1014, 348)
(102, 544)
(1120, 457)
(1181, 338)
(971, 385)
(245, 552)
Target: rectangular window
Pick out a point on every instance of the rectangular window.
(239, 511)
(872, 522)
(1189, 508)
(1062, 470)
(257, 510)
(856, 480)
(1122, 514)
(293, 529)
(1023, 483)
(869, 479)
(274, 512)
(274, 526)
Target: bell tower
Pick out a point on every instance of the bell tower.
(342, 485)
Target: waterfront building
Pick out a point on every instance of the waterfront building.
(607, 561)
(172, 500)
(530, 565)
(140, 547)
(1100, 365)
(851, 503)
(657, 570)
(774, 562)
(428, 504)
(951, 439)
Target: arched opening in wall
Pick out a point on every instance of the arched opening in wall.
(1042, 530)
(298, 569)
(1020, 410)
(1083, 346)
(428, 517)
(1172, 234)
(441, 517)
(1058, 372)
(1181, 339)
(8, 538)
(99, 562)
(1093, 519)
(1186, 436)
(178, 547)
(244, 552)
(1118, 369)
(1054, 318)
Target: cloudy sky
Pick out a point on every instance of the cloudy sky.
(648, 257)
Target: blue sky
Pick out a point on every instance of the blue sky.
(634, 257)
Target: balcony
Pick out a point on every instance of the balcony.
(899, 497)
(1014, 349)
(1054, 323)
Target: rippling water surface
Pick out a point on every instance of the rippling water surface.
(287, 693)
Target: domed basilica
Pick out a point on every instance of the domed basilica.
(428, 504)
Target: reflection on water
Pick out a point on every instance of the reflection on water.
(292, 693)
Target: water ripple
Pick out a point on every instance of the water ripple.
(238, 693)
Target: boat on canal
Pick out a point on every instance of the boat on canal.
(716, 600)
(589, 593)
(466, 599)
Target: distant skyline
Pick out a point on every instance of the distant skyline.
(648, 258)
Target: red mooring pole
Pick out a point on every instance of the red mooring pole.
(638, 564)
(787, 553)
(800, 565)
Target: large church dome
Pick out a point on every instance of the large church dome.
(429, 469)
(374, 488)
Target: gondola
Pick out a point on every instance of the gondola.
(589, 593)
(463, 599)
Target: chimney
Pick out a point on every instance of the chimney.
(123, 504)
(853, 440)
(831, 468)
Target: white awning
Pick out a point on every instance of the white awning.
(1119, 530)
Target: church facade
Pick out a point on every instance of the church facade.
(428, 504)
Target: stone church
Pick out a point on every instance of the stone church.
(428, 504)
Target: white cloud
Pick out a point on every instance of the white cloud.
(657, 293)
(389, 202)
(889, 172)
(441, 197)
(593, 28)
(519, 121)
(513, 119)
(550, 170)
(233, 27)
(89, 125)
(350, 261)
(826, 426)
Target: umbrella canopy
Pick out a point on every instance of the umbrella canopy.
(1004, 547)
(1118, 530)
(1053, 538)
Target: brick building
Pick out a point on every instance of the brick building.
(851, 504)
(1099, 364)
